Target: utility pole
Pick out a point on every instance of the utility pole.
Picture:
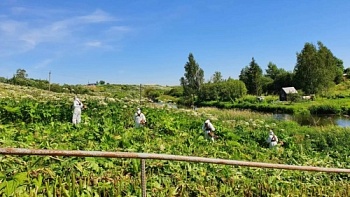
(49, 80)
(140, 94)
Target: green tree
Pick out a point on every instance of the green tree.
(347, 72)
(20, 78)
(252, 77)
(226, 90)
(317, 70)
(284, 79)
(243, 76)
(306, 69)
(175, 91)
(267, 84)
(209, 92)
(339, 71)
(217, 77)
(153, 93)
(193, 79)
(279, 78)
(272, 71)
(3, 80)
(232, 89)
(21, 73)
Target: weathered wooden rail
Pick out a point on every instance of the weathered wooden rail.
(145, 156)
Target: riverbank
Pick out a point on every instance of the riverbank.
(339, 106)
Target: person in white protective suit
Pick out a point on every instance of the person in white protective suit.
(208, 130)
(272, 139)
(139, 118)
(77, 107)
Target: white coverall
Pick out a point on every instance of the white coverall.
(77, 106)
(272, 139)
(138, 117)
(207, 128)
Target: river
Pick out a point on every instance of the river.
(311, 120)
(316, 120)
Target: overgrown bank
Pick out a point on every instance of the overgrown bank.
(339, 107)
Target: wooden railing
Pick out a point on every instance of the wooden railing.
(144, 156)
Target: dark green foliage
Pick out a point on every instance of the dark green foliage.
(217, 77)
(193, 78)
(175, 91)
(325, 109)
(272, 71)
(317, 70)
(227, 90)
(3, 80)
(252, 77)
(153, 93)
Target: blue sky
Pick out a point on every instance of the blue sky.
(148, 41)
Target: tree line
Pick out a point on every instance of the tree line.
(316, 71)
(21, 78)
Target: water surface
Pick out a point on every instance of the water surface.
(316, 120)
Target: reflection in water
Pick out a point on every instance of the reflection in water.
(343, 122)
(316, 120)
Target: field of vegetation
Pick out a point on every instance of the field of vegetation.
(38, 119)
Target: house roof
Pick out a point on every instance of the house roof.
(290, 90)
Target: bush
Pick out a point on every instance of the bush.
(325, 109)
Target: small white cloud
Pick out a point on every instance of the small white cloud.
(93, 44)
(117, 32)
(119, 29)
(98, 45)
(97, 17)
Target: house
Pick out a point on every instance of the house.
(286, 91)
(92, 84)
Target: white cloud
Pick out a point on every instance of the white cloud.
(116, 29)
(118, 32)
(115, 34)
(27, 34)
(93, 44)
(10, 27)
(97, 17)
